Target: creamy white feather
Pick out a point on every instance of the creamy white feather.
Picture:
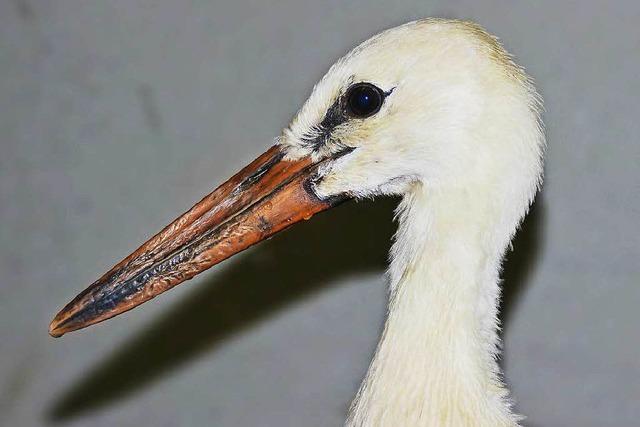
(460, 138)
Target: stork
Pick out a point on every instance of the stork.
(435, 111)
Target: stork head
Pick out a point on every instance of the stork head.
(431, 103)
(434, 101)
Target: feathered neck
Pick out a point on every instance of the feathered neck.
(436, 364)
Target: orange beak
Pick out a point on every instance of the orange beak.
(265, 197)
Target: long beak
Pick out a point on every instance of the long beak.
(265, 197)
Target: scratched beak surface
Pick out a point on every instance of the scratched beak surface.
(265, 197)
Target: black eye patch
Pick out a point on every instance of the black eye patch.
(359, 101)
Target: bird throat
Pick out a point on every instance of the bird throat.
(435, 364)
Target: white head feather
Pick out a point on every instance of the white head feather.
(459, 136)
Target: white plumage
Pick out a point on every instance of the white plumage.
(460, 138)
(434, 111)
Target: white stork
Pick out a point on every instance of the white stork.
(435, 111)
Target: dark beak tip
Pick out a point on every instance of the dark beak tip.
(59, 325)
(54, 331)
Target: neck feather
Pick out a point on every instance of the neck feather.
(436, 362)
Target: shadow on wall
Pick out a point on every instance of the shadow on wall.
(522, 260)
(519, 263)
(352, 239)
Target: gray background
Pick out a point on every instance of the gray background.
(116, 116)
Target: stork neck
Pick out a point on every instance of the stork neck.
(435, 364)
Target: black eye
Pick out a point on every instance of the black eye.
(364, 100)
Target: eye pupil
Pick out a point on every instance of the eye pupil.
(364, 100)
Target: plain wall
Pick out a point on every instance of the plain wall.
(116, 116)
